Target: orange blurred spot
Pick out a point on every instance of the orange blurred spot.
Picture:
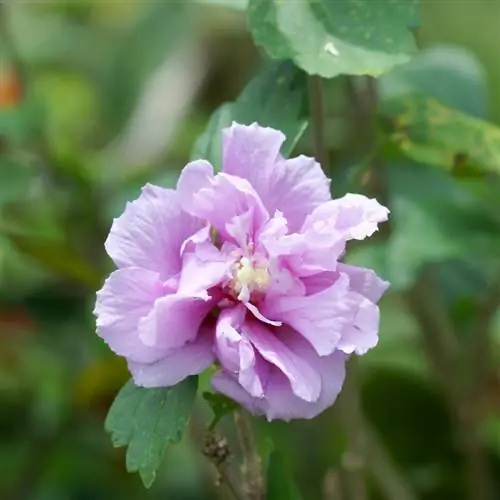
(10, 88)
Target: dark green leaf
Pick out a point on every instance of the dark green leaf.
(147, 420)
(330, 38)
(280, 485)
(429, 132)
(220, 405)
(275, 98)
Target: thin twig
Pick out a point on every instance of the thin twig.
(317, 112)
(252, 467)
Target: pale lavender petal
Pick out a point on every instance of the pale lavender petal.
(128, 296)
(304, 380)
(195, 176)
(202, 268)
(253, 370)
(236, 354)
(362, 334)
(227, 337)
(150, 232)
(218, 200)
(320, 318)
(279, 401)
(353, 216)
(178, 364)
(295, 187)
(255, 311)
(365, 281)
(174, 321)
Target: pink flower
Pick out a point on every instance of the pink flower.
(242, 268)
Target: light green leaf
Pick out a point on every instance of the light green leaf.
(330, 38)
(280, 485)
(431, 133)
(147, 420)
(209, 144)
(449, 74)
(276, 97)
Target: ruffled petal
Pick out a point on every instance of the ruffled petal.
(178, 364)
(126, 298)
(303, 379)
(279, 401)
(364, 281)
(320, 318)
(150, 232)
(362, 334)
(221, 200)
(353, 216)
(295, 187)
(174, 321)
(236, 354)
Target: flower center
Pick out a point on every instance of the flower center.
(248, 277)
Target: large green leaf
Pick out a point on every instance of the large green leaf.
(147, 420)
(276, 97)
(334, 37)
(280, 485)
(449, 74)
(429, 132)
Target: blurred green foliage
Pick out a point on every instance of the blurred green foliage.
(74, 77)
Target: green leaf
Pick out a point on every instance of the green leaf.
(280, 485)
(276, 97)
(449, 74)
(209, 144)
(147, 420)
(331, 38)
(220, 405)
(431, 133)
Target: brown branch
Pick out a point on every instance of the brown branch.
(252, 467)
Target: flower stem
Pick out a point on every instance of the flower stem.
(317, 112)
(252, 467)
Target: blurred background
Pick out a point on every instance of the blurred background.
(96, 98)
